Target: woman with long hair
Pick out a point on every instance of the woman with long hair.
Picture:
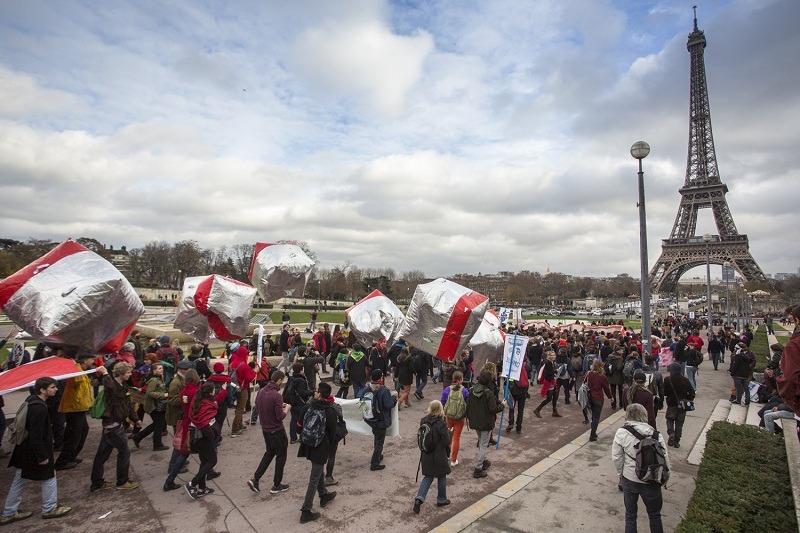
(548, 381)
(180, 441)
(435, 462)
(155, 405)
(201, 415)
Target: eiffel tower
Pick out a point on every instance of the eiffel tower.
(703, 189)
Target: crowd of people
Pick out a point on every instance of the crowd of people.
(192, 396)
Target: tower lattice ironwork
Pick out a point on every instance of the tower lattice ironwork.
(703, 189)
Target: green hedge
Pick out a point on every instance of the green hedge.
(743, 484)
(760, 348)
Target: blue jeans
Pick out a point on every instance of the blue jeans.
(690, 374)
(359, 389)
(441, 493)
(421, 382)
(651, 496)
(49, 494)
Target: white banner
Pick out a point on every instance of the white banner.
(260, 347)
(513, 356)
(354, 417)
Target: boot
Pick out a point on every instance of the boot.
(308, 516)
(555, 414)
(537, 412)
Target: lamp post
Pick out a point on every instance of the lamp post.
(707, 240)
(639, 151)
(180, 286)
(744, 307)
(319, 293)
(727, 266)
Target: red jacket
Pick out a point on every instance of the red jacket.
(245, 375)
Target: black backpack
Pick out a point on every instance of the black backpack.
(313, 427)
(651, 458)
(426, 438)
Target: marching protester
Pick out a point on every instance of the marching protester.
(181, 444)
(118, 409)
(598, 386)
(201, 416)
(75, 403)
(319, 432)
(33, 458)
(155, 405)
(455, 411)
(627, 440)
(679, 394)
(639, 393)
(383, 402)
(296, 393)
(272, 411)
(356, 367)
(614, 372)
(434, 459)
(519, 392)
(548, 381)
(405, 375)
(482, 407)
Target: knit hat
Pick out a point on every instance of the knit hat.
(219, 368)
(185, 364)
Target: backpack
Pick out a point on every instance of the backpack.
(455, 407)
(313, 427)
(17, 433)
(230, 399)
(98, 407)
(234, 377)
(369, 407)
(628, 369)
(651, 458)
(426, 438)
(341, 425)
(289, 391)
(561, 371)
(696, 357)
(577, 363)
(416, 363)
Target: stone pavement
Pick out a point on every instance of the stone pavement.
(575, 488)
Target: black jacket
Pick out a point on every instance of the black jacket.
(319, 454)
(437, 462)
(39, 444)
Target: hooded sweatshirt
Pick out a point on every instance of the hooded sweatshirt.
(357, 367)
(481, 408)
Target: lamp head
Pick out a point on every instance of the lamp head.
(640, 149)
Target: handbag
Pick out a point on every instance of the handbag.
(683, 405)
(583, 393)
(161, 405)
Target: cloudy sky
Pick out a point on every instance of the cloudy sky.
(449, 136)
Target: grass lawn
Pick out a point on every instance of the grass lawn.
(760, 348)
(743, 484)
(304, 317)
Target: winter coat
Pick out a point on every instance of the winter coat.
(789, 381)
(203, 419)
(437, 462)
(638, 394)
(319, 454)
(269, 404)
(677, 388)
(174, 409)
(118, 402)
(77, 395)
(310, 368)
(623, 451)
(481, 408)
(38, 446)
(356, 365)
(385, 403)
(155, 392)
(598, 386)
(740, 364)
(301, 391)
(405, 372)
(615, 365)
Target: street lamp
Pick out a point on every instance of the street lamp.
(639, 151)
(744, 307)
(319, 293)
(707, 240)
(726, 267)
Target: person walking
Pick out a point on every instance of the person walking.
(405, 375)
(296, 393)
(419, 362)
(623, 454)
(119, 409)
(181, 446)
(201, 417)
(435, 462)
(598, 386)
(75, 403)
(519, 392)
(641, 394)
(482, 407)
(33, 458)
(741, 366)
(677, 392)
(614, 372)
(383, 402)
(455, 411)
(155, 405)
(356, 367)
(548, 391)
(716, 349)
(317, 411)
(271, 412)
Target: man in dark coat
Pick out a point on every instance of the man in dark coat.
(318, 455)
(482, 407)
(383, 403)
(33, 458)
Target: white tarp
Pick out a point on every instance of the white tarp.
(354, 417)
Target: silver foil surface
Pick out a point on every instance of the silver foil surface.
(374, 318)
(487, 343)
(214, 307)
(280, 270)
(442, 317)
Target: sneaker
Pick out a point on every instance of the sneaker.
(442, 504)
(128, 485)
(213, 475)
(377, 467)
(417, 505)
(171, 485)
(329, 481)
(417, 395)
(57, 511)
(253, 484)
(104, 486)
(293, 441)
(204, 492)
(671, 441)
(160, 448)
(65, 466)
(190, 490)
(486, 464)
(478, 473)
(16, 517)
(236, 434)
(136, 441)
(308, 516)
(280, 488)
(325, 499)
(453, 463)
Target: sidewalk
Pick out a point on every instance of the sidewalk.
(575, 488)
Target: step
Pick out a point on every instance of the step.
(720, 412)
(737, 414)
(752, 414)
